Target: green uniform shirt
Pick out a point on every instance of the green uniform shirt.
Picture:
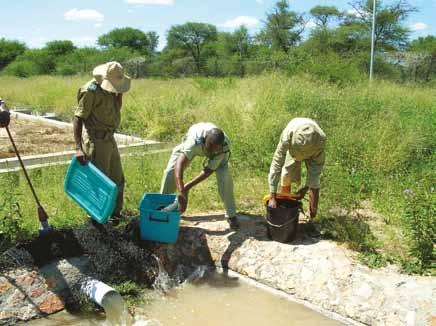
(193, 145)
(302, 140)
(98, 108)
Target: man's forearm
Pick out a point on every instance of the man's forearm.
(178, 173)
(313, 200)
(78, 127)
(201, 177)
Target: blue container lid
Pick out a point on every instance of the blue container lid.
(91, 189)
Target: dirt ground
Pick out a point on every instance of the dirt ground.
(34, 138)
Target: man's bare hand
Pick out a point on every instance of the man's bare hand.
(183, 200)
(272, 203)
(80, 156)
(300, 194)
(312, 211)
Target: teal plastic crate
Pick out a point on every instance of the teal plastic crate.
(156, 225)
(91, 189)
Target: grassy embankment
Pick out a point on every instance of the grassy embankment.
(381, 153)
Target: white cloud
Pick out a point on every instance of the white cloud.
(130, 11)
(239, 21)
(84, 14)
(98, 25)
(311, 24)
(420, 26)
(354, 12)
(259, 2)
(153, 2)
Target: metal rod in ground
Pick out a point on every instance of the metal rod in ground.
(42, 215)
(371, 67)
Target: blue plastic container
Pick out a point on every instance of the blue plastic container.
(156, 225)
(91, 189)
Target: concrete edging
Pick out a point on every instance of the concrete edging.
(127, 145)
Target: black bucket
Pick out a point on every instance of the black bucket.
(282, 222)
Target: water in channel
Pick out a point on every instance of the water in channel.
(206, 299)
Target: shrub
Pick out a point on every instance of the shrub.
(420, 221)
(24, 68)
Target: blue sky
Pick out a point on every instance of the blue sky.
(82, 21)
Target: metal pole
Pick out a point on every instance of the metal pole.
(371, 68)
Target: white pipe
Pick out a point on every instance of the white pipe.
(96, 290)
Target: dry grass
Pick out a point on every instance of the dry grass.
(34, 138)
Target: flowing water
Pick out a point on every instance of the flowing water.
(220, 300)
(116, 310)
(163, 282)
(205, 298)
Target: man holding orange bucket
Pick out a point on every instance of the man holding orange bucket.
(301, 141)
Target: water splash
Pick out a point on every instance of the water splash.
(163, 282)
(143, 321)
(198, 274)
(117, 313)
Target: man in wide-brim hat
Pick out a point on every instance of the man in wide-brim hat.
(99, 105)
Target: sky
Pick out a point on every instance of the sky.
(82, 21)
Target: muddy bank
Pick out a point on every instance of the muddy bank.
(42, 276)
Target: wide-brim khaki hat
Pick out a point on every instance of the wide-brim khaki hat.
(307, 141)
(111, 77)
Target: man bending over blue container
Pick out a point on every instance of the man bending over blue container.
(206, 140)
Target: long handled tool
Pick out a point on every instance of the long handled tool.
(42, 215)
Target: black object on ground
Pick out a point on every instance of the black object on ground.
(233, 223)
(282, 222)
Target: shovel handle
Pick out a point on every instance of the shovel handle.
(23, 167)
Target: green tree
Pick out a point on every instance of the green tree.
(391, 32)
(323, 15)
(128, 37)
(32, 62)
(283, 27)
(153, 41)
(239, 42)
(192, 38)
(9, 50)
(59, 48)
(424, 44)
(322, 35)
(237, 45)
(423, 51)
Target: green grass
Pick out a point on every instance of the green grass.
(381, 143)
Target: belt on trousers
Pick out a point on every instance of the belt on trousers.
(100, 134)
